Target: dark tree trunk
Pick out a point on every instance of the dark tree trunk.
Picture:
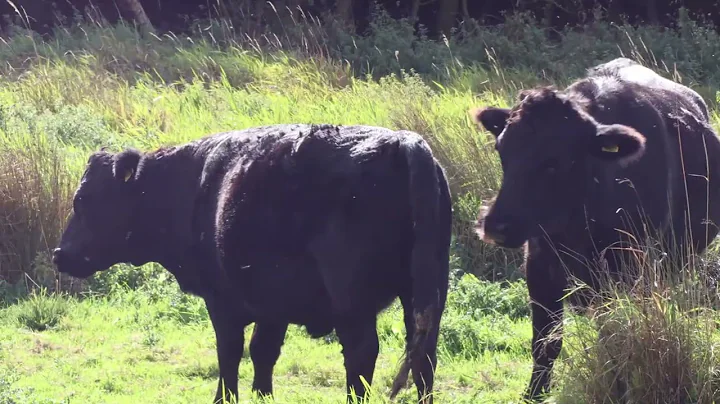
(136, 10)
(652, 12)
(344, 11)
(447, 16)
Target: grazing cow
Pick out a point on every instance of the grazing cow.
(618, 154)
(321, 226)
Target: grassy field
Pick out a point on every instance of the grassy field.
(158, 346)
(129, 335)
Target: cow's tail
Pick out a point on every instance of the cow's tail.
(431, 213)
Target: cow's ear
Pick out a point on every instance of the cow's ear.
(125, 165)
(522, 94)
(617, 143)
(491, 119)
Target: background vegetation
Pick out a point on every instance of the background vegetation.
(433, 18)
(129, 334)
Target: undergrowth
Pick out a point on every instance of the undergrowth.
(650, 339)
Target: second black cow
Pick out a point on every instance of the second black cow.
(322, 226)
(620, 156)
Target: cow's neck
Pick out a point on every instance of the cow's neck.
(586, 216)
(169, 184)
(593, 221)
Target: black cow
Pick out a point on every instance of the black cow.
(321, 226)
(584, 168)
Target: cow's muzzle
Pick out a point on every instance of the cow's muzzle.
(499, 231)
(494, 236)
(67, 263)
(489, 234)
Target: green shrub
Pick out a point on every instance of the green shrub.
(480, 298)
(42, 310)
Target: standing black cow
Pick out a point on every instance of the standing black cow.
(322, 226)
(617, 150)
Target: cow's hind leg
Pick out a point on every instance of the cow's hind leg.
(230, 344)
(408, 318)
(423, 365)
(265, 344)
(360, 347)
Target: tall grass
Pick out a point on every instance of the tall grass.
(35, 190)
(649, 337)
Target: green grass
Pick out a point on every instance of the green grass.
(129, 335)
(158, 344)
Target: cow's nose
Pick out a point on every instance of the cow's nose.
(56, 255)
(494, 231)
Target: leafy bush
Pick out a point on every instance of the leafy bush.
(463, 336)
(153, 277)
(481, 316)
(481, 298)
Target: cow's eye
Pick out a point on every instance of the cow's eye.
(78, 203)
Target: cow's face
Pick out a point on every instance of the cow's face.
(545, 145)
(96, 236)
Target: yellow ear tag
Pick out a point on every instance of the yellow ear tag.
(611, 149)
(129, 174)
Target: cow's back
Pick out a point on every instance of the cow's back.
(673, 94)
(672, 118)
(276, 171)
(289, 178)
(221, 153)
(277, 203)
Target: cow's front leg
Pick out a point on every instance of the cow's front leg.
(230, 342)
(545, 287)
(265, 344)
(360, 347)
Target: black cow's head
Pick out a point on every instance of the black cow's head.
(545, 145)
(97, 234)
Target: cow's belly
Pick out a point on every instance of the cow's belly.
(342, 258)
(287, 290)
(295, 293)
